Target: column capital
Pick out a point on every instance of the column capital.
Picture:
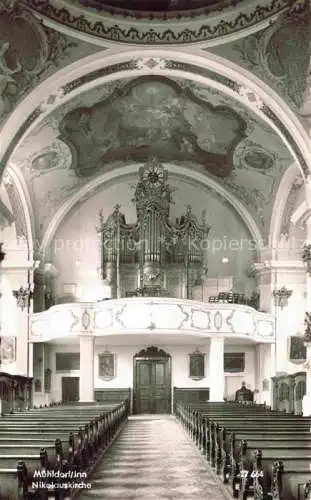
(217, 338)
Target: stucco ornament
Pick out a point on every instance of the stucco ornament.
(5, 76)
(308, 191)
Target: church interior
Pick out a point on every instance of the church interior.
(155, 255)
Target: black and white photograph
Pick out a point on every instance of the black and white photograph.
(155, 249)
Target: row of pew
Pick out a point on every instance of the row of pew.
(258, 453)
(51, 452)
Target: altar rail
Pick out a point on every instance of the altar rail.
(288, 392)
(15, 393)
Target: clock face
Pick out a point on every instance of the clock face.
(154, 176)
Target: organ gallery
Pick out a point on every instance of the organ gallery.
(150, 253)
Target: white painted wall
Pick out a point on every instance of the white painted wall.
(180, 366)
(233, 380)
(76, 251)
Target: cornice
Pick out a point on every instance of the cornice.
(201, 25)
(276, 265)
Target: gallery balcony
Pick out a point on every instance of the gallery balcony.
(160, 316)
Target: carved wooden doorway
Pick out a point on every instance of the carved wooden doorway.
(70, 389)
(152, 381)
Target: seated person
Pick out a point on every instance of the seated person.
(244, 394)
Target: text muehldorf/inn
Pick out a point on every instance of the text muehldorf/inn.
(56, 474)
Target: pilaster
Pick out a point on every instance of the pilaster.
(86, 387)
(216, 369)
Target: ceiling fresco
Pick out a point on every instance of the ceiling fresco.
(161, 5)
(279, 54)
(153, 116)
(130, 120)
(25, 65)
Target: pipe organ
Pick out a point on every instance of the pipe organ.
(153, 256)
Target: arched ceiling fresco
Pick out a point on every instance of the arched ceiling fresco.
(128, 121)
(278, 54)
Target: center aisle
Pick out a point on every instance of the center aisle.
(153, 458)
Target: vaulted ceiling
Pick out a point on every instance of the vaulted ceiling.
(132, 118)
(175, 120)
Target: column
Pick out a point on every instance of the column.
(306, 402)
(216, 369)
(86, 387)
(265, 361)
(308, 263)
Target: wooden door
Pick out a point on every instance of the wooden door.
(152, 385)
(70, 389)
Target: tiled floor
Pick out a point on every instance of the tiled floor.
(153, 459)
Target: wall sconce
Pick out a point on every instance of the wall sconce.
(306, 257)
(307, 334)
(281, 297)
(23, 297)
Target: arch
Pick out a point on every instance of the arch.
(281, 198)
(24, 197)
(105, 66)
(130, 169)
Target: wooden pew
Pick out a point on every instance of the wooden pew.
(284, 439)
(54, 439)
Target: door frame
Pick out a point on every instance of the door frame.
(75, 378)
(153, 353)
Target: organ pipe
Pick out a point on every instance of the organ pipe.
(158, 243)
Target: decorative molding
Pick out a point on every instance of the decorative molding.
(307, 332)
(132, 316)
(281, 297)
(114, 28)
(291, 132)
(46, 45)
(152, 352)
(23, 297)
(280, 54)
(306, 257)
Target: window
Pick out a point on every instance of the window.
(234, 362)
(67, 361)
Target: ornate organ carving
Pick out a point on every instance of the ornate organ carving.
(153, 248)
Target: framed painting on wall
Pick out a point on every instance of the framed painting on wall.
(196, 365)
(297, 349)
(107, 365)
